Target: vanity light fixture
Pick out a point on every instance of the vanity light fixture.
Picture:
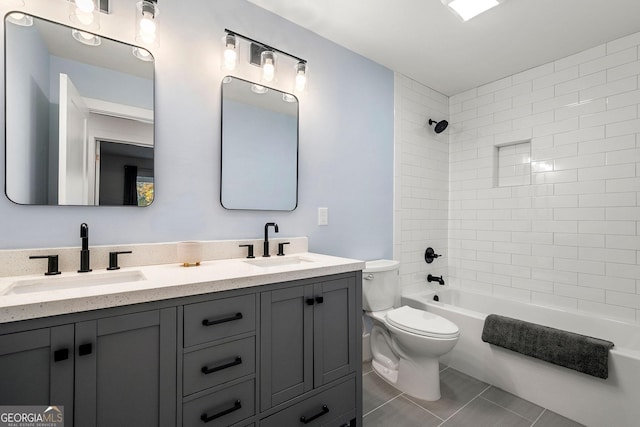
(259, 89)
(86, 38)
(142, 54)
(265, 57)
(146, 26)
(20, 18)
(302, 69)
(230, 52)
(85, 13)
(287, 97)
(268, 60)
(467, 9)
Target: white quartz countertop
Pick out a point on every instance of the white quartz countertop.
(160, 282)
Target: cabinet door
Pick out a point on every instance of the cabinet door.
(286, 365)
(334, 330)
(36, 368)
(126, 370)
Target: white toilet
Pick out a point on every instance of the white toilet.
(405, 342)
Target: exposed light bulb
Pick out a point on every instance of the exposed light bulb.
(85, 6)
(85, 18)
(146, 27)
(268, 71)
(230, 53)
(301, 77)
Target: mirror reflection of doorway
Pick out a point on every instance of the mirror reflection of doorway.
(124, 174)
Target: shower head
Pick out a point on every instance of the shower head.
(440, 126)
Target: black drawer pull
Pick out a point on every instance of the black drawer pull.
(60, 355)
(319, 300)
(206, 418)
(85, 349)
(206, 370)
(310, 301)
(305, 420)
(208, 322)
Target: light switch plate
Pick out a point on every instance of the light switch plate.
(323, 216)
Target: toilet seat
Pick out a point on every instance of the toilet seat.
(421, 322)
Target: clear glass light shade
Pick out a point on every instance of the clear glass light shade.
(302, 75)
(146, 25)
(86, 38)
(85, 13)
(467, 9)
(20, 18)
(230, 52)
(142, 54)
(268, 60)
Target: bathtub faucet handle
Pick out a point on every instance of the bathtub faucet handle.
(430, 255)
(431, 278)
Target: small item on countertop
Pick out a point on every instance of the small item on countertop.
(190, 253)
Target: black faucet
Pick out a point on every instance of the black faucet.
(431, 278)
(84, 252)
(266, 237)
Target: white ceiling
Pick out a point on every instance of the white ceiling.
(423, 40)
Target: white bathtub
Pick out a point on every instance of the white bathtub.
(614, 402)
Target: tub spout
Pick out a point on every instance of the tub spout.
(431, 278)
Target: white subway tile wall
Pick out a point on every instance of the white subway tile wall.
(571, 237)
(421, 181)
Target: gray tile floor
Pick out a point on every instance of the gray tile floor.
(465, 402)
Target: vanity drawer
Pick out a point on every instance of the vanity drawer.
(216, 365)
(212, 320)
(332, 407)
(222, 408)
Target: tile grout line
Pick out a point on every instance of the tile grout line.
(421, 407)
(380, 406)
(467, 404)
(539, 416)
(507, 409)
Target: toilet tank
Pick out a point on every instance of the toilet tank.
(379, 284)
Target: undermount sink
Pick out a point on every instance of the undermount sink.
(46, 284)
(278, 261)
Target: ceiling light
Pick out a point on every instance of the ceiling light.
(19, 18)
(86, 38)
(467, 9)
(146, 25)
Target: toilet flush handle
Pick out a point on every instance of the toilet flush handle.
(368, 277)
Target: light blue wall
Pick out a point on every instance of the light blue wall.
(346, 147)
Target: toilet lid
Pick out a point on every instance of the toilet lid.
(422, 322)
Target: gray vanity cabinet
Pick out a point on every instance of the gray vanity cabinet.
(111, 371)
(308, 338)
(36, 367)
(125, 370)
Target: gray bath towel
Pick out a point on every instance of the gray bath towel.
(573, 351)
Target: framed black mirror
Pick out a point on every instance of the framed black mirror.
(79, 117)
(259, 159)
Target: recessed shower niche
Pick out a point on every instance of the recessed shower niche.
(513, 164)
(79, 118)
